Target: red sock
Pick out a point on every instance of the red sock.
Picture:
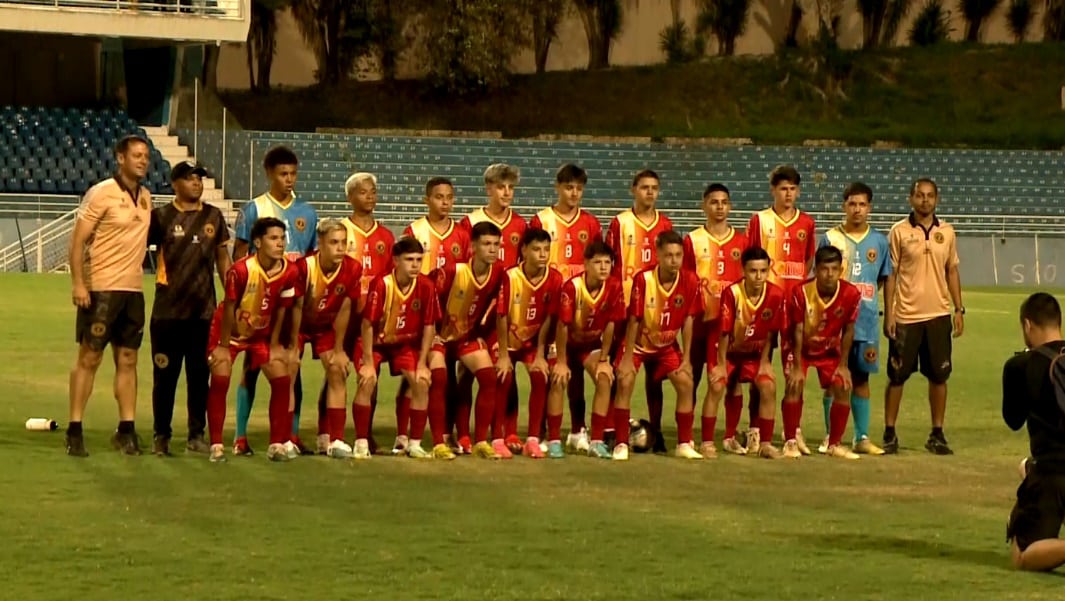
(486, 403)
(216, 407)
(792, 413)
(360, 417)
(554, 427)
(621, 424)
(685, 425)
(537, 400)
(837, 419)
(598, 425)
(335, 420)
(438, 405)
(733, 412)
(709, 425)
(323, 414)
(279, 401)
(499, 419)
(418, 417)
(765, 430)
(402, 414)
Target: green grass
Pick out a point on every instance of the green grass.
(1001, 96)
(912, 526)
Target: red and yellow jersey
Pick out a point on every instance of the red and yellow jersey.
(587, 314)
(526, 305)
(373, 250)
(633, 243)
(823, 321)
(464, 302)
(717, 263)
(661, 309)
(259, 297)
(441, 248)
(790, 244)
(324, 294)
(399, 316)
(752, 322)
(569, 238)
(513, 227)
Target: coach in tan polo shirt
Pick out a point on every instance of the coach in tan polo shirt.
(106, 259)
(918, 319)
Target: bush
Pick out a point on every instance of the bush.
(932, 25)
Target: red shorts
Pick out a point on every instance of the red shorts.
(659, 365)
(527, 355)
(826, 370)
(454, 351)
(743, 370)
(400, 357)
(580, 353)
(321, 342)
(258, 350)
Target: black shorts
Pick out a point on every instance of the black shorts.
(925, 342)
(115, 318)
(1039, 510)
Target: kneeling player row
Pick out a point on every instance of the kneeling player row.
(488, 319)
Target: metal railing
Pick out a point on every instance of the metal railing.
(41, 250)
(221, 9)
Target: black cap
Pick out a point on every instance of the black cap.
(185, 169)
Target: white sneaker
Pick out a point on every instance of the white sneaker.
(754, 440)
(583, 442)
(338, 449)
(277, 452)
(362, 449)
(400, 448)
(621, 452)
(543, 446)
(823, 447)
(415, 451)
(291, 449)
(323, 444)
(218, 453)
(791, 449)
(686, 451)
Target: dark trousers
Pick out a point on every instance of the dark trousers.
(174, 341)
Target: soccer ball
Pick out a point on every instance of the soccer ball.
(641, 436)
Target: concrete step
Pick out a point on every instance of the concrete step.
(156, 131)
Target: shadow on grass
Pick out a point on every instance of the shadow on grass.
(914, 548)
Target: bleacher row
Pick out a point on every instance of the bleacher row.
(64, 151)
(980, 184)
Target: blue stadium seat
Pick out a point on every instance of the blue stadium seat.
(31, 185)
(13, 185)
(65, 186)
(48, 186)
(80, 186)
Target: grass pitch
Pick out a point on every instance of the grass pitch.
(912, 526)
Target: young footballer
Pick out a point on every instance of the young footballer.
(664, 299)
(500, 180)
(713, 252)
(821, 316)
(398, 327)
(330, 280)
(572, 229)
(867, 265)
(752, 314)
(467, 292)
(528, 297)
(590, 306)
(261, 289)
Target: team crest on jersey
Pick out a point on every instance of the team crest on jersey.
(870, 255)
(208, 230)
(938, 237)
(380, 248)
(583, 237)
(870, 355)
(767, 315)
(161, 361)
(179, 231)
(736, 254)
(340, 289)
(301, 224)
(514, 239)
(455, 250)
(801, 235)
(416, 305)
(838, 312)
(678, 301)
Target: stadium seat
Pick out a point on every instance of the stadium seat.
(65, 186)
(48, 186)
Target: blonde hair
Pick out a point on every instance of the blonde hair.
(328, 226)
(501, 172)
(356, 179)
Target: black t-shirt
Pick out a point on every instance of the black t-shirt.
(187, 242)
(1028, 396)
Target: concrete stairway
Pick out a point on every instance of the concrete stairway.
(173, 151)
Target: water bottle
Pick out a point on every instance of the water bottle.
(41, 423)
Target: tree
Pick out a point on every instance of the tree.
(726, 20)
(975, 13)
(462, 45)
(339, 32)
(546, 16)
(1054, 21)
(262, 42)
(1019, 17)
(932, 25)
(602, 24)
(791, 38)
(881, 20)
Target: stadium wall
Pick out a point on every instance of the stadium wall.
(48, 70)
(638, 43)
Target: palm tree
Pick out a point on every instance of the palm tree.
(975, 13)
(726, 20)
(1019, 17)
(602, 24)
(262, 42)
(546, 16)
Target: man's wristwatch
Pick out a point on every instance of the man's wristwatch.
(959, 310)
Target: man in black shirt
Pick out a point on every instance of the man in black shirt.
(1028, 395)
(192, 240)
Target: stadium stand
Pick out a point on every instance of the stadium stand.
(64, 151)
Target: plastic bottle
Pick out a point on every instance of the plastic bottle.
(41, 423)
